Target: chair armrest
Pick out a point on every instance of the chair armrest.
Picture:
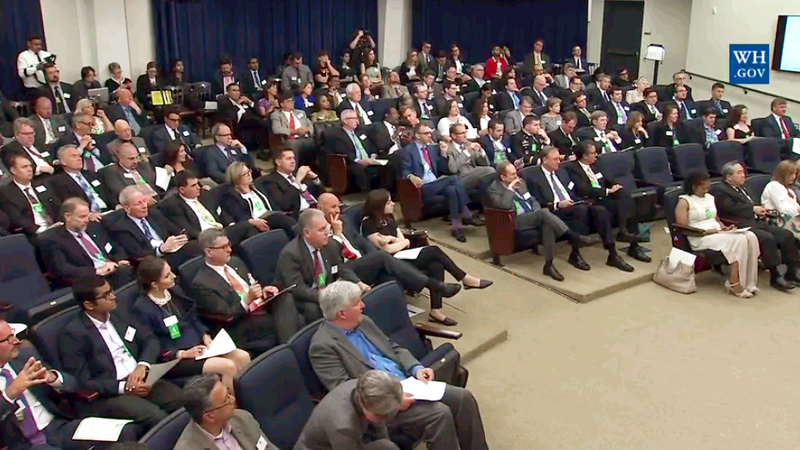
(87, 395)
(216, 318)
(418, 238)
(687, 230)
(427, 330)
(642, 183)
(338, 176)
(500, 230)
(410, 198)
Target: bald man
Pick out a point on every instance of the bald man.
(129, 170)
(49, 128)
(127, 110)
(124, 134)
(351, 141)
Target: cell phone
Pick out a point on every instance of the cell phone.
(577, 202)
(183, 231)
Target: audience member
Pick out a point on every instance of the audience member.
(410, 69)
(637, 95)
(371, 68)
(616, 108)
(304, 100)
(777, 245)
(679, 80)
(563, 136)
(476, 81)
(224, 76)
(177, 74)
(352, 142)
(325, 69)
(32, 207)
(509, 98)
(127, 109)
(599, 96)
(738, 129)
(425, 57)
(60, 94)
(552, 118)
(292, 189)
(686, 106)
(88, 81)
(324, 111)
(146, 83)
(634, 135)
(394, 89)
(74, 181)
(581, 110)
(174, 131)
(452, 116)
(562, 80)
(125, 136)
(455, 60)
(575, 86)
(577, 60)
(778, 124)
(175, 160)
(47, 127)
(117, 81)
(424, 108)
(466, 159)
(346, 69)
(101, 123)
(268, 102)
(722, 107)
(496, 143)
(216, 422)
(670, 131)
(252, 81)
(240, 110)
(513, 120)
(384, 135)
(23, 145)
(225, 151)
(708, 132)
(647, 107)
(30, 66)
(536, 57)
(696, 208)
(295, 125)
(779, 195)
(526, 145)
(369, 92)
(481, 117)
(355, 102)
(497, 63)
(622, 79)
(439, 66)
(538, 93)
(129, 170)
(605, 141)
(296, 73)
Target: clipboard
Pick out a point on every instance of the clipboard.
(261, 302)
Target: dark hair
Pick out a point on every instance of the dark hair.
(736, 114)
(251, 58)
(318, 103)
(151, 65)
(149, 271)
(582, 148)
(285, 95)
(231, 86)
(374, 204)
(487, 87)
(693, 179)
(668, 107)
(567, 116)
(449, 104)
(170, 152)
(34, 37)
(613, 89)
(84, 289)
(182, 178)
(85, 71)
(174, 63)
(171, 110)
(717, 86)
(270, 83)
(449, 83)
(197, 393)
(709, 112)
(479, 105)
(574, 98)
(441, 54)
(297, 55)
(494, 123)
(429, 72)
(529, 119)
(225, 60)
(649, 91)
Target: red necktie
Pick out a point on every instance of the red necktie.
(347, 253)
(427, 157)
(318, 270)
(93, 250)
(785, 129)
(292, 124)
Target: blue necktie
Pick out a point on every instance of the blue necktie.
(525, 205)
(96, 202)
(515, 99)
(146, 229)
(559, 194)
(684, 111)
(132, 121)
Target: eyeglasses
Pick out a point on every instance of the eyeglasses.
(9, 339)
(225, 135)
(107, 296)
(229, 400)
(88, 124)
(221, 247)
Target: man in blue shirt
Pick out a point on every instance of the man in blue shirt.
(349, 344)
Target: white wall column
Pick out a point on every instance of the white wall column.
(394, 26)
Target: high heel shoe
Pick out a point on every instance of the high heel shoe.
(753, 290)
(729, 289)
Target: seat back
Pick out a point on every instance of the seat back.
(126, 296)
(353, 212)
(670, 201)
(652, 166)
(187, 271)
(721, 152)
(762, 154)
(261, 251)
(271, 388)
(687, 158)
(166, 433)
(756, 126)
(201, 161)
(380, 106)
(755, 185)
(696, 122)
(386, 306)
(21, 280)
(300, 343)
(619, 166)
(45, 334)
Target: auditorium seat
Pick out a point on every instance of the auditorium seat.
(706, 259)
(619, 166)
(166, 433)
(300, 343)
(762, 154)
(45, 334)
(721, 152)
(685, 158)
(755, 185)
(504, 238)
(260, 253)
(380, 106)
(414, 207)
(126, 296)
(272, 389)
(652, 167)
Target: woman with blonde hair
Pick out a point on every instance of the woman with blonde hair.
(637, 95)
(779, 195)
(101, 122)
(552, 118)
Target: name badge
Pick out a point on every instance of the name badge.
(186, 133)
(233, 152)
(527, 195)
(693, 111)
(620, 121)
(261, 444)
(362, 137)
(294, 78)
(637, 140)
(263, 82)
(41, 189)
(45, 154)
(128, 175)
(460, 105)
(570, 185)
(299, 115)
(62, 129)
(334, 270)
(718, 132)
(369, 113)
(219, 210)
(627, 108)
(597, 138)
(67, 95)
(668, 133)
(142, 150)
(171, 320)
(108, 246)
(130, 333)
(598, 175)
(96, 183)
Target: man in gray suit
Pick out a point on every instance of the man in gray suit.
(353, 416)
(124, 134)
(128, 171)
(348, 344)
(216, 423)
(394, 89)
(48, 128)
(509, 191)
(294, 124)
(513, 120)
(466, 159)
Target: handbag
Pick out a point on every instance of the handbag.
(679, 278)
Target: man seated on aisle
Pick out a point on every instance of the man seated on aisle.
(73, 181)
(778, 124)
(466, 159)
(293, 191)
(244, 116)
(347, 339)
(599, 96)
(352, 142)
(495, 143)
(129, 170)
(49, 128)
(225, 151)
(81, 248)
(605, 141)
(125, 135)
(127, 110)
(33, 207)
(174, 130)
(528, 143)
(552, 188)
(32, 413)
(310, 262)
(23, 145)
(224, 286)
(296, 126)
(111, 355)
(510, 192)
(94, 158)
(426, 170)
(216, 422)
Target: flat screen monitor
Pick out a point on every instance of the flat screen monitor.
(786, 55)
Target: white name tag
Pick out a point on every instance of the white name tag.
(41, 189)
(570, 185)
(299, 115)
(620, 121)
(597, 138)
(637, 140)
(128, 175)
(142, 150)
(693, 111)
(460, 105)
(185, 133)
(362, 137)
(219, 210)
(369, 113)
(108, 246)
(334, 270)
(627, 108)
(233, 152)
(45, 154)
(598, 175)
(558, 123)
(718, 132)
(668, 133)
(96, 183)
(261, 444)
(67, 95)
(294, 78)
(62, 129)
(725, 111)
(263, 82)
(171, 320)
(130, 333)
(527, 195)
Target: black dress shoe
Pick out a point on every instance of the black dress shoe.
(782, 285)
(482, 285)
(474, 221)
(448, 322)
(459, 235)
(624, 236)
(577, 261)
(638, 254)
(792, 276)
(552, 272)
(586, 241)
(619, 263)
(448, 289)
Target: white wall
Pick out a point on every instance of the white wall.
(394, 31)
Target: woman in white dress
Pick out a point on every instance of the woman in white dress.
(779, 195)
(696, 209)
(453, 117)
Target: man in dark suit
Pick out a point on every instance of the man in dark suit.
(81, 248)
(33, 411)
(424, 168)
(495, 143)
(617, 109)
(686, 107)
(425, 56)
(109, 355)
(563, 137)
(60, 94)
(225, 287)
(48, 128)
(124, 134)
(8, 114)
(537, 57)
(449, 92)
(778, 124)
(476, 80)
(590, 183)
(174, 130)
(723, 107)
(291, 192)
(240, 110)
(194, 209)
(312, 261)
(357, 150)
(508, 99)
(252, 80)
(528, 143)
(31, 207)
(605, 140)
(648, 107)
(129, 171)
(75, 182)
(142, 231)
(679, 80)
(581, 109)
(706, 132)
(425, 109)
(225, 151)
(23, 145)
(94, 157)
(127, 110)
(356, 101)
(599, 96)
(439, 66)
(551, 187)
(578, 60)
(735, 204)
(383, 135)
(223, 77)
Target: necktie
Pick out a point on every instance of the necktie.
(27, 424)
(743, 192)
(229, 154)
(94, 252)
(605, 96)
(312, 202)
(36, 205)
(543, 97)
(146, 228)
(578, 63)
(61, 105)
(132, 121)
(319, 271)
(34, 152)
(257, 79)
(88, 161)
(96, 202)
(571, 139)
(514, 99)
(346, 252)
(559, 194)
(621, 112)
(718, 105)
(684, 111)
(785, 129)
(204, 212)
(427, 156)
(292, 122)
(235, 284)
(526, 207)
(49, 128)
(397, 92)
(362, 154)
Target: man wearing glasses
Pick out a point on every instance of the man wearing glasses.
(174, 130)
(94, 158)
(216, 422)
(225, 151)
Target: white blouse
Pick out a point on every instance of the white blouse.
(777, 196)
(445, 123)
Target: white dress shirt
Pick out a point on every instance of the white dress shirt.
(300, 187)
(220, 270)
(124, 362)
(590, 173)
(156, 241)
(26, 68)
(39, 218)
(603, 137)
(38, 162)
(95, 261)
(206, 222)
(40, 414)
(49, 136)
(363, 115)
(553, 188)
(253, 200)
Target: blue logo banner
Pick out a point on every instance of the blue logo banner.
(749, 63)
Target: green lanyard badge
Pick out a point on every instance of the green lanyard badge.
(321, 280)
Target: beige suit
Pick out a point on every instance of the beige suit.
(393, 91)
(280, 123)
(471, 167)
(243, 427)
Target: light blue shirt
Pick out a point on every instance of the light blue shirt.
(374, 356)
(427, 176)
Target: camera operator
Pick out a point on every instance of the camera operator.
(30, 66)
(360, 44)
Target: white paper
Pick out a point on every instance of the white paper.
(157, 371)
(162, 178)
(414, 310)
(17, 328)
(432, 390)
(221, 345)
(738, 230)
(796, 145)
(411, 253)
(380, 162)
(679, 256)
(99, 429)
(211, 106)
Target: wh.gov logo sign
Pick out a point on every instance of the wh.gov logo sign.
(749, 64)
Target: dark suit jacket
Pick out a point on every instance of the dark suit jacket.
(348, 104)
(412, 161)
(613, 116)
(488, 147)
(561, 141)
(64, 186)
(724, 105)
(82, 91)
(182, 215)
(115, 112)
(629, 140)
(60, 128)
(248, 84)
(691, 110)
(335, 360)
(217, 163)
(529, 62)
(282, 195)
(503, 102)
(152, 317)
(215, 295)
(67, 260)
(114, 179)
(143, 87)
(583, 186)
(71, 139)
(236, 208)
(161, 138)
(770, 127)
(522, 147)
(731, 204)
(217, 87)
(14, 202)
(379, 138)
(432, 110)
(66, 91)
(661, 139)
(85, 355)
(15, 148)
(355, 237)
(642, 108)
(595, 97)
(670, 92)
(226, 109)
(127, 234)
(340, 143)
(540, 187)
(295, 266)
